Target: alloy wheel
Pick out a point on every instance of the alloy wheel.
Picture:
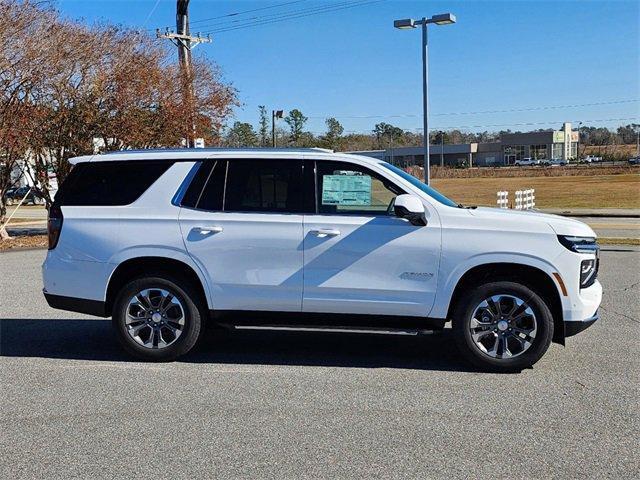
(155, 318)
(503, 326)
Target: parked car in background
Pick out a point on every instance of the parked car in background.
(634, 160)
(591, 159)
(555, 162)
(166, 241)
(8, 196)
(527, 162)
(32, 197)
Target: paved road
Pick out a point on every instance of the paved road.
(613, 227)
(37, 213)
(263, 405)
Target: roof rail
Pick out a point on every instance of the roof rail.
(218, 149)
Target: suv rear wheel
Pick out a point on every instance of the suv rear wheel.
(156, 319)
(502, 326)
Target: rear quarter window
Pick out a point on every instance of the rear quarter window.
(109, 183)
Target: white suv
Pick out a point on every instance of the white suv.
(527, 162)
(163, 241)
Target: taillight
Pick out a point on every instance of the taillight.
(54, 225)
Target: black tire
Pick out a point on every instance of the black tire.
(194, 314)
(462, 316)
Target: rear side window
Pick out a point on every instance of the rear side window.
(206, 190)
(264, 186)
(109, 183)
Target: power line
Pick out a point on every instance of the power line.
(526, 109)
(294, 15)
(450, 127)
(538, 123)
(272, 16)
(235, 14)
(531, 123)
(153, 9)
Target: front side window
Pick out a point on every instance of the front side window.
(432, 192)
(346, 188)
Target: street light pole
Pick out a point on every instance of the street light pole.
(577, 144)
(443, 19)
(425, 101)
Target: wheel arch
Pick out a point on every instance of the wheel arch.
(533, 277)
(137, 266)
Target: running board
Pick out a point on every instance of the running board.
(331, 329)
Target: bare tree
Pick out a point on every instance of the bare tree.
(23, 68)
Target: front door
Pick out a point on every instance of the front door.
(359, 257)
(244, 229)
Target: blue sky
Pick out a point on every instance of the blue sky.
(500, 56)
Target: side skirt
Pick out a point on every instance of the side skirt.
(324, 321)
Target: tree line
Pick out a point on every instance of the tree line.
(386, 136)
(68, 89)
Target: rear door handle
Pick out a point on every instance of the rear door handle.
(326, 232)
(208, 230)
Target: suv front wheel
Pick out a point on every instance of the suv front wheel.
(502, 326)
(156, 319)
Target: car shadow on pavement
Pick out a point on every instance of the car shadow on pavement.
(93, 339)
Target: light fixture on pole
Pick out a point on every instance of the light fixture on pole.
(274, 114)
(405, 24)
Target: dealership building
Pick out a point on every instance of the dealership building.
(558, 144)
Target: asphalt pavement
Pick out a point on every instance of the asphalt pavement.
(309, 405)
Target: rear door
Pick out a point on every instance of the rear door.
(359, 257)
(244, 229)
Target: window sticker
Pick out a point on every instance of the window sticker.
(346, 188)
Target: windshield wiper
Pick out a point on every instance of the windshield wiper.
(468, 207)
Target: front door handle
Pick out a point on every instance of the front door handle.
(326, 232)
(208, 230)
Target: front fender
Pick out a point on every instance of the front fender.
(447, 283)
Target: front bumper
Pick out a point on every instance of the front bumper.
(575, 327)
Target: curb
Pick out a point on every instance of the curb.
(595, 215)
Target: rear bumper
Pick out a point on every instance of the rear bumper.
(575, 327)
(80, 305)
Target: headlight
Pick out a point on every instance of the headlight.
(589, 267)
(588, 271)
(579, 244)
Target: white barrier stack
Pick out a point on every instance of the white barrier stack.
(503, 199)
(525, 199)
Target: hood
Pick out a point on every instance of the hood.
(560, 225)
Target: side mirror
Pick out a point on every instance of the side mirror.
(411, 208)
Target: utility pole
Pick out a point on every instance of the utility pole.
(275, 114)
(185, 42)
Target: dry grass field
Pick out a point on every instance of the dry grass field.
(593, 191)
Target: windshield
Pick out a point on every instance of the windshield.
(433, 193)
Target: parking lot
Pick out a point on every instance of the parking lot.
(309, 405)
